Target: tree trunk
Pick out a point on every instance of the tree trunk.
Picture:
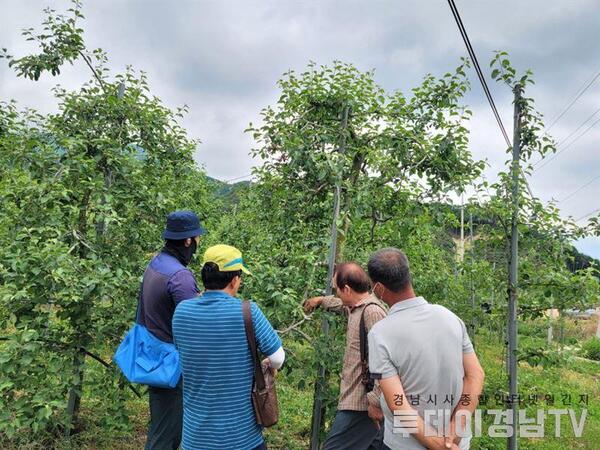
(76, 389)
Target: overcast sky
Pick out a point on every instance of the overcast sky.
(223, 58)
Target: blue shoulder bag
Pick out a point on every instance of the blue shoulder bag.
(145, 359)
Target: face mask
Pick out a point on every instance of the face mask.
(188, 252)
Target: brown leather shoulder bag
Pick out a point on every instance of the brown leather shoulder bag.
(264, 394)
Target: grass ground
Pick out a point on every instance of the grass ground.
(569, 376)
(566, 381)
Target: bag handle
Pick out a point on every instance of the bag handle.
(259, 377)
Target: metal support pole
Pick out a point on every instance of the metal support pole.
(461, 253)
(318, 408)
(474, 311)
(513, 401)
(74, 400)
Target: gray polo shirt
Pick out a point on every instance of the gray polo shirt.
(423, 344)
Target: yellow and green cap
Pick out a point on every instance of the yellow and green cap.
(228, 258)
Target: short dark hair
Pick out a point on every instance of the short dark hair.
(389, 266)
(214, 279)
(353, 275)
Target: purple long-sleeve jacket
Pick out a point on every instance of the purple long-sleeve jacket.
(166, 283)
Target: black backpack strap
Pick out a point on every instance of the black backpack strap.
(364, 349)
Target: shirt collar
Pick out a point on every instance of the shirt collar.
(215, 294)
(407, 304)
(362, 302)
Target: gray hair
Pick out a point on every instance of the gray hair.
(389, 266)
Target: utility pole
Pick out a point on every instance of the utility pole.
(318, 408)
(513, 400)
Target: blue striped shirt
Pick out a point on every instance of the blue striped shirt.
(218, 371)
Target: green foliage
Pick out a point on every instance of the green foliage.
(591, 348)
(540, 356)
(60, 41)
(83, 193)
(390, 154)
(33, 384)
(533, 139)
(385, 155)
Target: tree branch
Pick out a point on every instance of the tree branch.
(89, 64)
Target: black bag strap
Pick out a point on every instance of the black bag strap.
(364, 343)
(259, 377)
(139, 305)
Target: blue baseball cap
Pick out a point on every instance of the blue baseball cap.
(183, 225)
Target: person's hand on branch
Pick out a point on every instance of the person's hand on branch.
(312, 303)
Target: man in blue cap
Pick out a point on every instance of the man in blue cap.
(167, 281)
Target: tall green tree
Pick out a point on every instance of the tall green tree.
(391, 154)
(83, 196)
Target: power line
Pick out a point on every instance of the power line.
(549, 160)
(588, 214)
(486, 90)
(568, 107)
(237, 178)
(473, 57)
(562, 141)
(570, 104)
(579, 189)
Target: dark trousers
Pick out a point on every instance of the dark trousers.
(166, 418)
(353, 430)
